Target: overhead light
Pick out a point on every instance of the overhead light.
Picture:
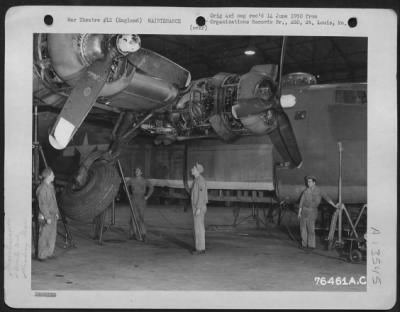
(250, 47)
(250, 51)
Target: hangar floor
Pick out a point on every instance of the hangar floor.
(241, 258)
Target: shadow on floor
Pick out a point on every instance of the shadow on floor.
(173, 239)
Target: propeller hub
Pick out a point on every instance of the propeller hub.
(128, 43)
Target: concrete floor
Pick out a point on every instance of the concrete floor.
(241, 258)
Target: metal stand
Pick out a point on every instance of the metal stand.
(100, 224)
(337, 218)
(99, 227)
(254, 215)
(362, 211)
(38, 154)
(121, 134)
(337, 221)
(68, 241)
(134, 215)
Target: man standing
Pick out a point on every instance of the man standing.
(141, 191)
(308, 211)
(199, 199)
(48, 215)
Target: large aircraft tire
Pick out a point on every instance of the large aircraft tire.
(91, 200)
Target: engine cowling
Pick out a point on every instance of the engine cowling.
(72, 54)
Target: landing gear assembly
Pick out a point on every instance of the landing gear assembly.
(93, 189)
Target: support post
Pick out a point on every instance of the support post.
(359, 217)
(35, 174)
(337, 216)
(134, 217)
(42, 154)
(102, 222)
(68, 235)
(350, 222)
(113, 212)
(340, 220)
(340, 241)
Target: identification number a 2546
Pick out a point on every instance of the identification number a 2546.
(340, 281)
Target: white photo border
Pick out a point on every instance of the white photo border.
(378, 25)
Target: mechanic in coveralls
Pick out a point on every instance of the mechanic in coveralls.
(199, 199)
(141, 191)
(48, 215)
(308, 211)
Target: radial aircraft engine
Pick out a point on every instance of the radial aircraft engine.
(144, 92)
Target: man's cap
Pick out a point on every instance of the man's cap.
(314, 178)
(199, 168)
(46, 172)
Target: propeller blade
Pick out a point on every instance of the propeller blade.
(285, 140)
(283, 52)
(80, 102)
(156, 65)
(277, 141)
(283, 137)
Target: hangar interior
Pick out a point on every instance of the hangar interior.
(254, 178)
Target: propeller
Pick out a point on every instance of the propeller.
(92, 80)
(80, 101)
(285, 141)
(259, 108)
(283, 136)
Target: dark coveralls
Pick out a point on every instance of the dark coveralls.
(139, 187)
(309, 202)
(48, 208)
(199, 199)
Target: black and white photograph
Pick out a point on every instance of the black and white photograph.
(202, 162)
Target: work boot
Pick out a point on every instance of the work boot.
(143, 240)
